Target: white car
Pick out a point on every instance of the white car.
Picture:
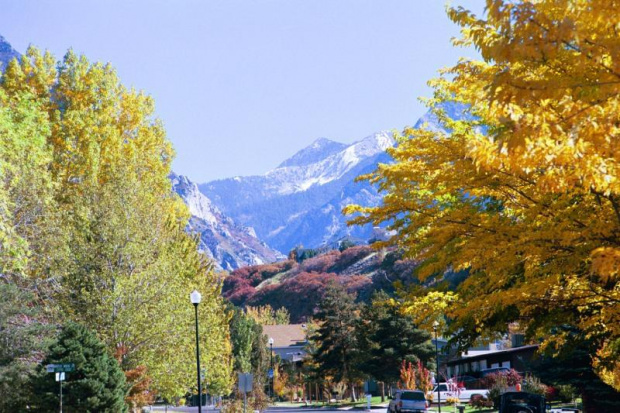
(450, 390)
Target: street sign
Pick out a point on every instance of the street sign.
(245, 382)
(270, 373)
(60, 368)
(60, 376)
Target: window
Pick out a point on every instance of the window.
(413, 395)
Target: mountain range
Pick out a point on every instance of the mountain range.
(299, 203)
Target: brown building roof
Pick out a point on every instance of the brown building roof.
(286, 335)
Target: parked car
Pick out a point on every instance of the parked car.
(451, 390)
(522, 402)
(410, 401)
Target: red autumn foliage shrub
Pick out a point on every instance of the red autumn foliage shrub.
(256, 274)
(320, 263)
(512, 378)
(237, 290)
(300, 295)
(350, 256)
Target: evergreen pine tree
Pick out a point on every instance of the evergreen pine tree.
(337, 352)
(389, 337)
(96, 385)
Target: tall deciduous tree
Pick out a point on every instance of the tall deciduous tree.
(103, 231)
(337, 352)
(523, 191)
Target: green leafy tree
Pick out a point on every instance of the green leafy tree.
(260, 359)
(242, 336)
(266, 315)
(337, 347)
(87, 212)
(250, 349)
(96, 385)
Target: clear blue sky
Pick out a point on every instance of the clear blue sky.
(242, 85)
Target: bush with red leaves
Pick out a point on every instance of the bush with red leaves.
(350, 256)
(301, 295)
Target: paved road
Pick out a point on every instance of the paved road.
(171, 409)
(271, 409)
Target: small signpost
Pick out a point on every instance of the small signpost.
(245, 386)
(60, 370)
(270, 373)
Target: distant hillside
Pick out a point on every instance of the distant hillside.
(298, 284)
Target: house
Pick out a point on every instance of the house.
(289, 340)
(474, 361)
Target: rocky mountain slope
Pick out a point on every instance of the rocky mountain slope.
(7, 53)
(229, 245)
(300, 201)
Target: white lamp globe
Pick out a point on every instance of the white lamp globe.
(195, 297)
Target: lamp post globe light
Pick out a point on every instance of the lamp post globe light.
(271, 363)
(195, 298)
(435, 326)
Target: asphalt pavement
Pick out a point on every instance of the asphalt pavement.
(272, 409)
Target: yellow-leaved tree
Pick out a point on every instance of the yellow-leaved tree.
(520, 184)
(121, 262)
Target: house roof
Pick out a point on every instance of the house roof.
(286, 335)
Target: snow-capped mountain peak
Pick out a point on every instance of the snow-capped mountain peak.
(317, 150)
(311, 186)
(332, 161)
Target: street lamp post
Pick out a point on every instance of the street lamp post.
(435, 325)
(195, 298)
(271, 363)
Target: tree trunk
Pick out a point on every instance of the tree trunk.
(592, 404)
(587, 403)
(353, 398)
(382, 391)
